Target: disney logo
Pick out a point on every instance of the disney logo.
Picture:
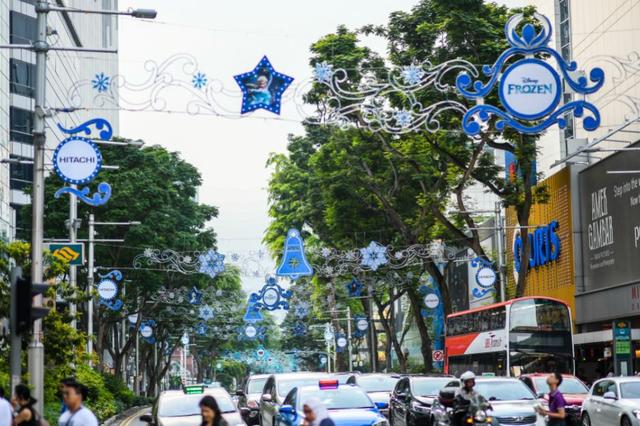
(529, 80)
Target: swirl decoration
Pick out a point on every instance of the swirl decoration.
(106, 131)
(529, 43)
(97, 199)
(270, 297)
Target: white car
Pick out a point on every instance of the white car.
(614, 401)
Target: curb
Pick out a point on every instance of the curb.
(126, 413)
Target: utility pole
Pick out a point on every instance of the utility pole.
(90, 261)
(73, 232)
(372, 331)
(350, 361)
(501, 251)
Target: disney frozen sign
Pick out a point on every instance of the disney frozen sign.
(530, 89)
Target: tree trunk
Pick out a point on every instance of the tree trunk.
(425, 346)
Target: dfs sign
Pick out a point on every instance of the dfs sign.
(544, 247)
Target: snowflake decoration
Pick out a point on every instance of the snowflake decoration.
(148, 252)
(398, 255)
(201, 329)
(299, 329)
(211, 263)
(403, 118)
(412, 74)
(206, 313)
(323, 72)
(199, 80)
(235, 257)
(351, 256)
(101, 82)
(374, 256)
(195, 296)
(326, 252)
(354, 288)
(302, 309)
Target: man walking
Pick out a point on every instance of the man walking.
(73, 394)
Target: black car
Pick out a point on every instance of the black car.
(249, 397)
(413, 397)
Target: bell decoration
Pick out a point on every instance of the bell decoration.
(294, 263)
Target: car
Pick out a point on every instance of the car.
(249, 397)
(377, 385)
(182, 407)
(348, 405)
(411, 399)
(276, 389)
(512, 402)
(613, 401)
(572, 388)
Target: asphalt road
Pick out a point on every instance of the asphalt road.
(133, 419)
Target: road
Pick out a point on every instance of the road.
(133, 420)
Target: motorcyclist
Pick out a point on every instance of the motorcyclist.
(465, 396)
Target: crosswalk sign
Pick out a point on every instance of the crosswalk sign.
(72, 253)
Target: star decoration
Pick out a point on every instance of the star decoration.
(301, 310)
(148, 252)
(412, 74)
(325, 252)
(211, 263)
(101, 82)
(323, 72)
(299, 329)
(199, 80)
(374, 256)
(195, 296)
(354, 288)
(403, 118)
(262, 87)
(201, 329)
(206, 313)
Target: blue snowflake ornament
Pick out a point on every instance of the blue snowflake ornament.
(373, 256)
(201, 329)
(195, 296)
(323, 72)
(403, 118)
(206, 313)
(301, 309)
(262, 87)
(211, 263)
(412, 74)
(299, 329)
(101, 82)
(354, 287)
(199, 80)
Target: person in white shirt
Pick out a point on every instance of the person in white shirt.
(74, 394)
(6, 411)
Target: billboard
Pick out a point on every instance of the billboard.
(610, 221)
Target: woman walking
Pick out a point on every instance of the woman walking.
(25, 414)
(211, 415)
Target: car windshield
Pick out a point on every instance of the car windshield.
(503, 390)
(568, 385)
(338, 399)
(630, 390)
(285, 385)
(189, 405)
(377, 383)
(428, 386)
(256, 385)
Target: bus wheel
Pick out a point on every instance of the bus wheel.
(586, 421)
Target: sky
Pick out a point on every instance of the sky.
(228, 38)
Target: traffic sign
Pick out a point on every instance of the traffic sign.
(72, 253)
(437, 355)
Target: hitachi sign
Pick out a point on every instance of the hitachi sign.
(544, 247)
(76, 159)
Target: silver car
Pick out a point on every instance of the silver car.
(613, 401)
(512, 403)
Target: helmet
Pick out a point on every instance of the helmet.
(468, 375)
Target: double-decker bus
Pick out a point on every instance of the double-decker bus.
(529, 334)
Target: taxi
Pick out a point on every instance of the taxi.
(182, 407)
(348, 405)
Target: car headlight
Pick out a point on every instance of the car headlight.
(416, 406)
(381, 422)
(480, 416)
(637, 414)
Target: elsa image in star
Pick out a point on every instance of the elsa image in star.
(259, 92)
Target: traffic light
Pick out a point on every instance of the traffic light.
(23, 290)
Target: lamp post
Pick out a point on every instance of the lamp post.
(41, 48)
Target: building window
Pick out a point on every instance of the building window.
(21, 125)
(21, 175)
(22, 78)
(23, 29)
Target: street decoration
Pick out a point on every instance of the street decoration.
(328, 333)
(201, 328)
(354, 287)
(434, 310)
(146, 330)
(373, 256)
(133, 319)
(195, 296)
(206, 313)
(485, 277)
(294, 263)
(251, 332)
(101, 82)
(108, 290)
(301, 309)
(211, 263)
(199, 80)
(270, 297)
(299, 329)
(262, 87)
(341, 342)
(77, 161)
(252, 314)
(361, 324)
(530, 90)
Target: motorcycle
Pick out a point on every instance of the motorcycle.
(475, 414)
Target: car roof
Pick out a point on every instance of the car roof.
(496, 379)
(170, 394)
(339, 387)
(622, 379)
(298, 375)
(258, 376)
(420, 375)
(544, 375)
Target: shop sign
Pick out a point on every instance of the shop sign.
(544, 247)
(77, 160)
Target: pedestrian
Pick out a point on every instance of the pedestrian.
(211, 415)
(6, 412)
(25, 413)
(557, 403)
(316, 414)
(73, 395)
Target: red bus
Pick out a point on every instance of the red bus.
(525, 335)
